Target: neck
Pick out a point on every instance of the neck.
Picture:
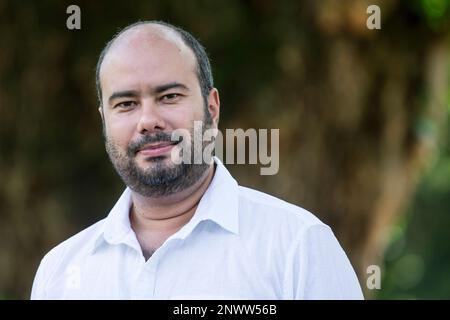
(161, 217)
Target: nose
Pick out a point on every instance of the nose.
(150, 118)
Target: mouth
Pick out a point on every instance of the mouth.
(157, 149)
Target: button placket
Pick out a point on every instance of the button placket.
(144, 287)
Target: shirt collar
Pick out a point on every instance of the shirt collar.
(218, 204)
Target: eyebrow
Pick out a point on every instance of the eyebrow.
(170, 85)
(123, 94)
(156, 90)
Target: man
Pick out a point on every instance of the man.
(181, 230)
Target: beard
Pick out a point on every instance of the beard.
(162, 177)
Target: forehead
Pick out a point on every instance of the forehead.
(149, 56)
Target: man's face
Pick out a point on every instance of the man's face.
(149, 89)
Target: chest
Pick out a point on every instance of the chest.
(177, 270)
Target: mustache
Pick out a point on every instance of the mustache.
(157, 137)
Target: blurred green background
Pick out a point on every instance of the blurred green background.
(363, 118)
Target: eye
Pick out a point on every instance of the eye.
(126, 105)
(171, 97)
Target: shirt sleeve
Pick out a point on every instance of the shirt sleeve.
(319, 268)
(38, 289)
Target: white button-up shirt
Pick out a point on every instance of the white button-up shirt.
(239, 244)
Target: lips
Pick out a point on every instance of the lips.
(157, 145)
(156, 149)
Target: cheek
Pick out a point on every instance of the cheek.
(186, 117)
(119, 130)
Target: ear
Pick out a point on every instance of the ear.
(100, 110)
(214, 106)
(102, 116)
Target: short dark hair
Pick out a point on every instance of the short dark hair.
(204, 73)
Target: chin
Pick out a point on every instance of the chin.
(151, 163)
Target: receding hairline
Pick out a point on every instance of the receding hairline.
(149, 30)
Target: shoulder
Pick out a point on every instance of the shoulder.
(55, 263)
(263, 208)
(76, 245)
